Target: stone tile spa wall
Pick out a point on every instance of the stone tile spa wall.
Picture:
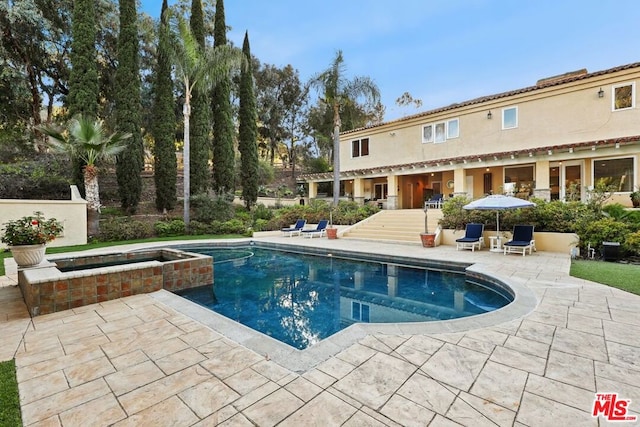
(92, 279)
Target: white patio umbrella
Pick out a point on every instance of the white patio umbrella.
(498, 202)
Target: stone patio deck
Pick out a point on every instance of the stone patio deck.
(139, 361)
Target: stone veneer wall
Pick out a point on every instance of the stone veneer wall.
(47, 290)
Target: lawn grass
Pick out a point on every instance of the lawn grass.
(621, 276)
(97, 245)
(9, 398)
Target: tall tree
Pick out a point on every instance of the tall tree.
(223, 129)
(34, 49)
(85, 140)
(248, 131)
(164, 121)
(200, 115)
(130, 161)
(200, 68)
(337, 90)
(83, 81)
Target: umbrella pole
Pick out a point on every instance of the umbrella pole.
(498, 224)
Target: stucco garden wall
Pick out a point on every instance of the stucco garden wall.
(71, 213)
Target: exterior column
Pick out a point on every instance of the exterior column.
(313, 190)
(392, 195)
(459, 182)
(542, 188)
(358, 191)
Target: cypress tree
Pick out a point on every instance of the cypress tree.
(164, 121)
(223, 130)
(128, 115)
(83, 80)
(200, 116)
(248, 131)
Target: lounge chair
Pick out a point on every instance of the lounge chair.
(320, 230)
(296, 229)
(521, 241)
(472, 237)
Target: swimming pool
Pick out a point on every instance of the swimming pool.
(301, 299)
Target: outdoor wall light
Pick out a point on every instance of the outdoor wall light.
(570, 149)
(549, 152)
(617, 145)
(600, 93)
(513, 157)
(489, 115)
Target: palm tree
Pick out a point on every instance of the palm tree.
(199, 67)
(85, 140)
(337, 91)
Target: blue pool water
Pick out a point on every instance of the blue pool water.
(301, 299)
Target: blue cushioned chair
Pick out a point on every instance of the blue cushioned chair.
(296, 229)
(320, 230)
(472, 237)
(521, 241)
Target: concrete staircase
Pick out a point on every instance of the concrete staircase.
(403, 225)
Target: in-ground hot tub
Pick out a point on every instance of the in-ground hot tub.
(70, 282)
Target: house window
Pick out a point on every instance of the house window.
(440, 132)
(624, 97)
(518, 181)
(453, 129)
(616, 174)
(380, 191)
(359, 311)
(427, 134)
(360, 147)
(510, 118)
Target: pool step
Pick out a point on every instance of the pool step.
(403, 225)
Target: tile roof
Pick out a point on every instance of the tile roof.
(541, 84)
(594, 144)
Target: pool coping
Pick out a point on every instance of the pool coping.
(296, 360)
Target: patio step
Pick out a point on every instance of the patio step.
(404, 225)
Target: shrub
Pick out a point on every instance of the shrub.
(454, 216)
(633, 243)
(124, 228)
(197, 228)
(207, 209)
(169, 228)
(615, 210)
(233, 226)
(260, 225)
(602, 230)
(260, 211)
(242, 214)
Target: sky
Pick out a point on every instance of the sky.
(440, 51)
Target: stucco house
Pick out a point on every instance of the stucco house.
(552, 140)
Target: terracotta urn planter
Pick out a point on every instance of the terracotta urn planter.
(28, 255)
(428, 240)
(332, 233)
